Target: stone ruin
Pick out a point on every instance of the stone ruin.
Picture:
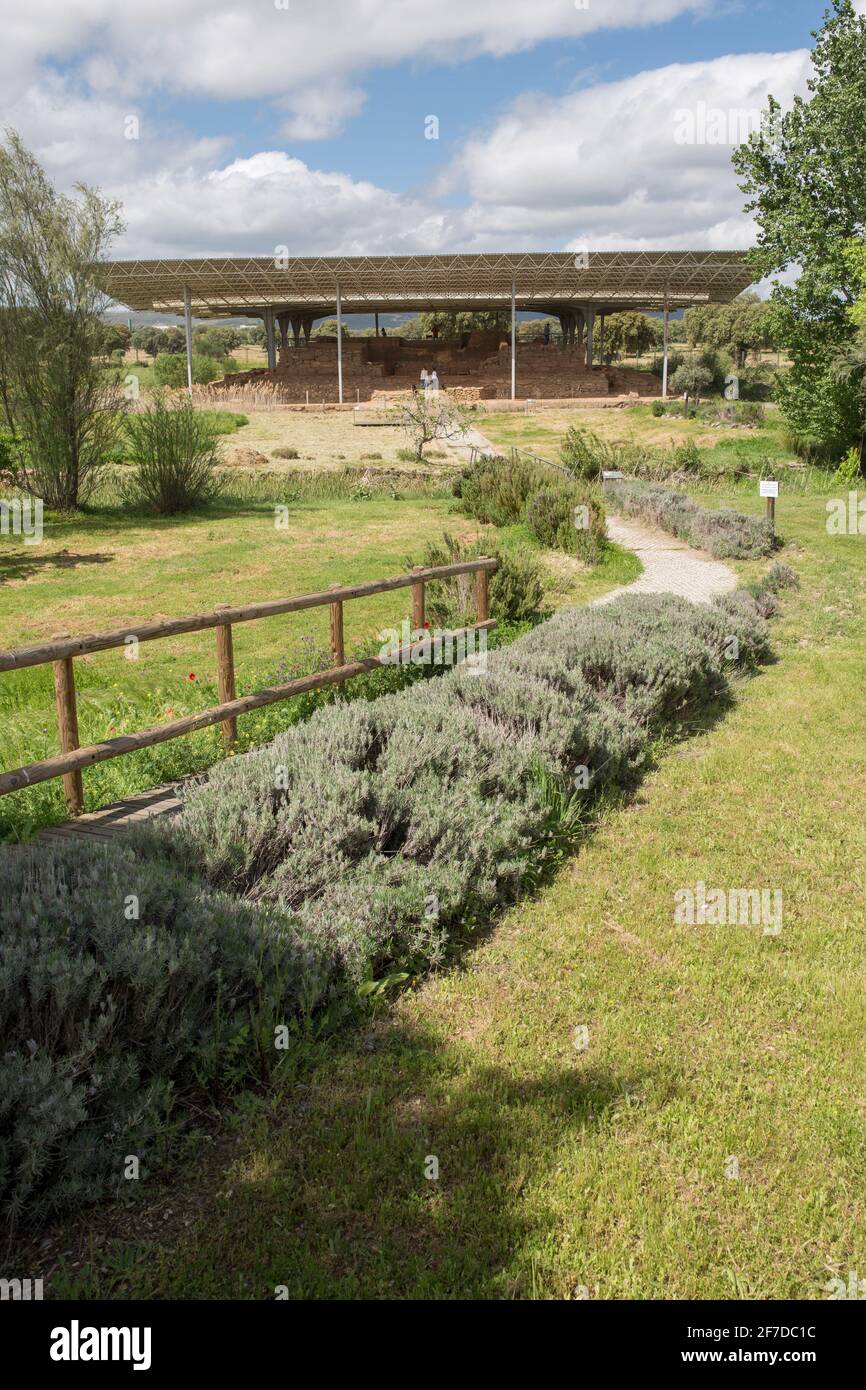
(475, 368)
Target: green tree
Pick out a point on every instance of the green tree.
(215, 342)
(804, 177)
(169, 369)
(629, 334)
(691, 380)
(451, 327)
(116, 337)
(62, 409)
(328, 329)
(738, 328)
(171, 339)
(429, 415)
(147, 339)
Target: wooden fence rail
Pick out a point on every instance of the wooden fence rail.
(62, 650)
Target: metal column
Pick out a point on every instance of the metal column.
(339, 346)
(269, 339)
(187, 323)
(665, 363)
(513, 342)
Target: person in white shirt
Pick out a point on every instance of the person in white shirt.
(425, 380)
(434, 380)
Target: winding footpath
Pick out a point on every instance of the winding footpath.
(669, 565)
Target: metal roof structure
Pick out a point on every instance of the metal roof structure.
(549, 281)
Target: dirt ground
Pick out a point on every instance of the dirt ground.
(328, 440)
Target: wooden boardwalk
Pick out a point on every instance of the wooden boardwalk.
(113, 820)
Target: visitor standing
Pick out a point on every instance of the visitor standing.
(434, 380)
(425, 380)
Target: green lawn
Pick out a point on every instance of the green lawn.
(603, 1168)
(723, 446)
(106, 569)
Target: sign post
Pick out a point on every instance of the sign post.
(769, 488)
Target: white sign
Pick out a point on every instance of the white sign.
(769, 487)
(732, 388)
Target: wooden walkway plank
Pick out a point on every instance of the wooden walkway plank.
(114, 819)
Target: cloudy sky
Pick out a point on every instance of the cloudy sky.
(349, 126)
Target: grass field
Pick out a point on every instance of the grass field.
(107, 569)
(545, 431)
(708, 1142)
(712, 1051)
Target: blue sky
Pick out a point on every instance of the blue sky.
(300, 123)
(383, 138)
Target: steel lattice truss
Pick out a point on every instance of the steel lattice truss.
(546, 281)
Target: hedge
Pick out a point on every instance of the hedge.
(723, 532)
(356, 844)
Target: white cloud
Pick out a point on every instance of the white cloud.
(320, 111)
(603, 165)
(600, 166)
(252, 206)
(250, 48)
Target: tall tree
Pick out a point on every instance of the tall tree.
(630, 333)
(804, 176)
(61, 406)
(738, 328)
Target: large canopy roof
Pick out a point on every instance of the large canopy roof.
(548, 281)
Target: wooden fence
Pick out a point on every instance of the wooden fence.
(61, 652)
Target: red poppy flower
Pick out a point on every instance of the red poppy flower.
(192, 675)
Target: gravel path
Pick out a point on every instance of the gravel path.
(669, 566)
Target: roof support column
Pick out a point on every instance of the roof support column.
(269, 339)
(339, 347)
(513, 341)
(665, 361)
(601, 339)
(590, 324)
(187, 324)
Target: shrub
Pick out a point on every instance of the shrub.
(583, 453)
(748, 412)
(169, 369)
(175, 453)
(657, 408)
(569, 519)
(108, 1019)
(780, 577)
(687, 457)
(286, 453)
(362, 840)
(850, 467)
(723, 532)
(515, 589)
(496, 490)
(764, 591)
(504, 492)
(692, 381)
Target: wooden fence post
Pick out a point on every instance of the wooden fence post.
(337, 650)
(67, 725)
(481, 596)
(226, 677)
(417, 603)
